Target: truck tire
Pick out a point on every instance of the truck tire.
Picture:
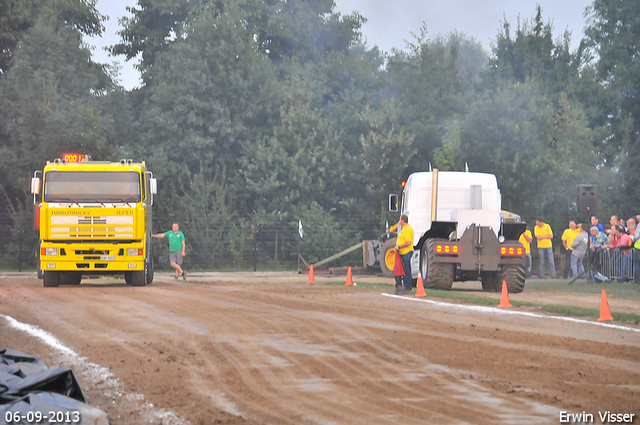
(490, 281)
(388, 257)
(515, 277)
(136, 278)
(51, 279)
(435, 275)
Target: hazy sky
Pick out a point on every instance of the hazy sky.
(391, 22)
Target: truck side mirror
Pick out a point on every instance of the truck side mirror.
(35, 186)
(393, 202)
(153, 186)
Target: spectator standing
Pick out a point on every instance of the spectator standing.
(623, 223)
(613, 221)
(579, 247)
(525, 239)
(404, 245)
(596, 222)
(598, 244)
(631, 226)
(567, 239)
(636, 257)
(177, 248)
(544, 236)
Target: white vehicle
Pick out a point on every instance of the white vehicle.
(459, 234)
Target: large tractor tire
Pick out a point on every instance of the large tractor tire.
(51, 279)
(434, 275)
(136, 278)
(490, 281)
(515, 277)
(388, 257)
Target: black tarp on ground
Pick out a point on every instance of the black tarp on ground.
(28, 385)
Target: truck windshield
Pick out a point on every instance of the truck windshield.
(91, 186)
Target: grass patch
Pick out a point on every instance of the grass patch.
(626, 290)
(542, 285)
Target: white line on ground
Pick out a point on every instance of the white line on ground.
(496, 310)
(99, 375)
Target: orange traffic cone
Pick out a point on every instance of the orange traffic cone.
(349, 278)
(420, 287)
(312, 278)
(504, 298)
(605, 312)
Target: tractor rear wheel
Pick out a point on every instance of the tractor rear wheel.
(514, 275)
(434, 275)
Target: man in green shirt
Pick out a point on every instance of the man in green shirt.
(176, 248)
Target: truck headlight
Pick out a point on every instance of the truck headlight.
(134, 251)
(49, 251)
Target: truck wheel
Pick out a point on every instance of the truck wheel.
(134, 278)
(515, 277)
(51, 279)
(435, 275)
(490, 281)
(388, 257)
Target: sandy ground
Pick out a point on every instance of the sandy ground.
(265, 348)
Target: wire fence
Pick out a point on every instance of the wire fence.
(260, 246)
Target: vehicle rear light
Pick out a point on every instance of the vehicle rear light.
(511, 251)
(447, 249)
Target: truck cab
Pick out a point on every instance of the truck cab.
(94, 218)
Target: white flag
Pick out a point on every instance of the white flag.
(300, 229)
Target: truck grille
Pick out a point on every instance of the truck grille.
(91, 227)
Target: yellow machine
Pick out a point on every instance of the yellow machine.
(94, 218)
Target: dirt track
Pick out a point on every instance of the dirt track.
(275, 350)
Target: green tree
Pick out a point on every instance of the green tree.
(431, 83)
(17, 17)
(613, 32)
(537, 150)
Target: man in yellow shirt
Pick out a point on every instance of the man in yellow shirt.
(568, 236)
(544, 235)
(404, 245)
(525, 240)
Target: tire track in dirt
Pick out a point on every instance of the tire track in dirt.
(297, 354)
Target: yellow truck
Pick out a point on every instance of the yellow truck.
(93, 218)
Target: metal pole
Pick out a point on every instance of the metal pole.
(255, 250)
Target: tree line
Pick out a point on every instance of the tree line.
(256, 112)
